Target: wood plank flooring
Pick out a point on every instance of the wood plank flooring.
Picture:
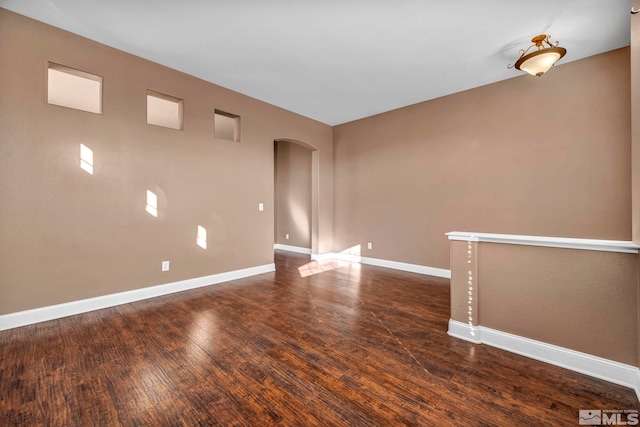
(347, 345)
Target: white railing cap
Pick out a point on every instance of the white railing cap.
(552, 242)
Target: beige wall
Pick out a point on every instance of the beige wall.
(588, 298)
(67, 235)
(469, 161)
(540, 156)
(577, 299)
(293, 194)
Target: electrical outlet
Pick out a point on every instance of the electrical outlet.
(369, 245)
(165, 265)
(260, 207)
(286, 236)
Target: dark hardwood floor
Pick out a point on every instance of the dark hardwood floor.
(351, 345)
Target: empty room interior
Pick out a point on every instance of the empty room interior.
(319, 213)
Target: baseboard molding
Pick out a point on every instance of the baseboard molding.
(465, 331)
(594, 366)
(323, 257)
(346, 256)
(290, 248)
(413, 268)
(28, 317)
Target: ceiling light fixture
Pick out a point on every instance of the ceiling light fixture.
(540, 60)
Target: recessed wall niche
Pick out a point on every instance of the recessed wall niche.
(226, 126)
(71, 88)
(164, 110)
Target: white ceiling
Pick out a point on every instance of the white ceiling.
(340, 60)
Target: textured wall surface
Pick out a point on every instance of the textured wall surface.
(540, 156)
(293, 194)
(66, 235)
(578, 299)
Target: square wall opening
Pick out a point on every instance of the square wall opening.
(71, 88)
(164, 110)
(227, 126)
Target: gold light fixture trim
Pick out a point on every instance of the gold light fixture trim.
(542, 59)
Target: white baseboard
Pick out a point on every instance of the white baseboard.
(323, 257)
(413, 268)
(290, 248)
(594, 366)
(346, 256)
(28, 317)
(465, 331)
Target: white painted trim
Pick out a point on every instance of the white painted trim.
(413, 268)
(42, 314)
(345, 256)
(552, 242)
(289, 248)
(465, 331)
(324, 256)
(594, 366)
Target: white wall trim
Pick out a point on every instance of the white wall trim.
(598, 367)
(552, 242)
(42, 314)
(413, 268)
(346, 256)
(290, 248)
(323, 257)
(465, 331)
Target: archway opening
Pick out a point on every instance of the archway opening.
(296, 196)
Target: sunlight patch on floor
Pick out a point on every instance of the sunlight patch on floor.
(345, 258)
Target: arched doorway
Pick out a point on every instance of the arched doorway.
(296, 196)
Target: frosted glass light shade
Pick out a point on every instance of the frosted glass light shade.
(537, 63)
